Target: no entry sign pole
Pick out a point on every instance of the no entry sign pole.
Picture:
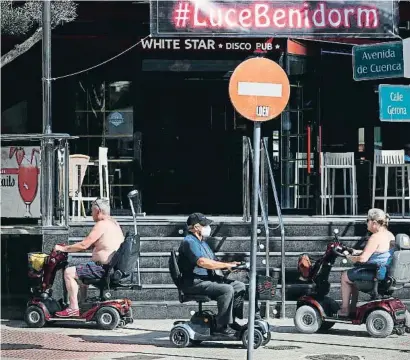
(259, 90)
(254, 237)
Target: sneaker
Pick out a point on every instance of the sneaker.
(224, 330)
(66, 313)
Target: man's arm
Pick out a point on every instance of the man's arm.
(195, 256)
(92, 237)
(214, 265)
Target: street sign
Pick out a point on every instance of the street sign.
(259, 89)
(394, 103)
(378, 61)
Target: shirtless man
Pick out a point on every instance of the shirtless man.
(105, 238)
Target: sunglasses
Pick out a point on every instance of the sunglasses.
(96, 203)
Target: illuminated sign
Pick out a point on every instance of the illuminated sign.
(248, 18)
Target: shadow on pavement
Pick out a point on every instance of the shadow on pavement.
(154, 338)
(338, 332)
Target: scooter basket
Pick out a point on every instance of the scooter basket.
(36, 263)
(265, 287)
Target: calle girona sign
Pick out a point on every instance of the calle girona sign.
(247, 18)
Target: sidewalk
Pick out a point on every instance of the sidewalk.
(148, 340)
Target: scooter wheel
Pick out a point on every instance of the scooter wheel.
(307, 320)
(107, 318)
(407, 322)
(379, 324)
(266, 338)
(257, 338)
(179, 337)
(34, 317)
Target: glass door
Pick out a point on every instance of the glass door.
(298, 140)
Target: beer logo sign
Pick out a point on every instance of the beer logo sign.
(116, 118)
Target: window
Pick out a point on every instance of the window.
(361, 140)
(104, 109)
(377, 138)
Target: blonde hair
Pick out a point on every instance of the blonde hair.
(379, 216)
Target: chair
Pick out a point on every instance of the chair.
(78, 165)
(177, 279)
(330, 162)
(103, 173)
(398, 272)
(301, 163)
(390, 159)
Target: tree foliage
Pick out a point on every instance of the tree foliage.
(25, 19)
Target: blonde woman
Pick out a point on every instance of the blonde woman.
(377, 251)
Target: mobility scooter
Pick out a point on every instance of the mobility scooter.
(382, 315)
(199, 327)
(106, 312)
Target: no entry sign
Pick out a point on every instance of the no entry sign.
(259, 89)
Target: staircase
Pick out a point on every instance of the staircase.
(231, 241)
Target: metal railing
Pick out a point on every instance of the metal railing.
(55, 209)
(266, 170)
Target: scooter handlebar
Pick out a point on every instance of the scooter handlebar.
(58, 251)
(243, 266)
(341, 250)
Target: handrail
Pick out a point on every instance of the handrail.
(266, 224)
(266, 221)
(36, 137)
(282, 230)
(57, 164)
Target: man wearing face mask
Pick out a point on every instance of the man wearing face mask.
(201, 275)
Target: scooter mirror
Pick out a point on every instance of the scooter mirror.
(133, 194)
(336, 231)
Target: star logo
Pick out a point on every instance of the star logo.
(220, 46)
(277, 46)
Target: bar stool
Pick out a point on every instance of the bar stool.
(301, 163)
(391, 159)
(330, 162)
(78, 164)
(103, 173)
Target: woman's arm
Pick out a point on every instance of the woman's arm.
(370, 248)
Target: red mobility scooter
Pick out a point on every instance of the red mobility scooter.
(383, 314)
(108, 313)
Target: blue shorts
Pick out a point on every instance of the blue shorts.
(90, 270)
(362, 274)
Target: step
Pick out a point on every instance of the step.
(312, 227)
(168, 292)
(160, 259)
(176, 310)
(239, 244)
(162, 276)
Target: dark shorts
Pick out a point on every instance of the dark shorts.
(90, 270)
(363, 274)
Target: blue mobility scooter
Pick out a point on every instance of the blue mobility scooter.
(200, 327)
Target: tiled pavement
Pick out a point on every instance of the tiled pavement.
(148, 340)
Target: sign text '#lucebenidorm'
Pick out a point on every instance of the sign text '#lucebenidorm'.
(274, 18)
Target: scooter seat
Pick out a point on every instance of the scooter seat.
(198, 298)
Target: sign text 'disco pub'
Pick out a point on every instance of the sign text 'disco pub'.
(245, 18)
